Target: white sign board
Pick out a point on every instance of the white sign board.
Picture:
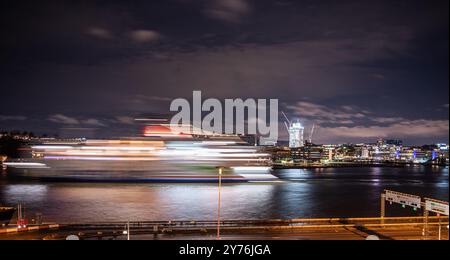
(403, 199)
(439, 207)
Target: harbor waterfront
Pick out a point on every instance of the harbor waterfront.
(230, 122)
(307, 193)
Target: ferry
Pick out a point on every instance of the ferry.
(160, 156)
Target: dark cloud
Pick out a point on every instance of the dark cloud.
(144, 36)
(228, 10)
(12, 118)
(99, 33)
(62, 119)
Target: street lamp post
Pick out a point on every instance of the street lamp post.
(128, 230)
(440, 228)
(218, 209)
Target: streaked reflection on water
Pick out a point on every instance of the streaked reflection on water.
(302, 193)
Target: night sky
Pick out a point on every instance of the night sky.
(360, 70)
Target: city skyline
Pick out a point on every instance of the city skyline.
(358, 70)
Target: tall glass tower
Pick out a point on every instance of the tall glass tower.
(296, 131)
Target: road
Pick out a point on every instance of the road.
(305, 229)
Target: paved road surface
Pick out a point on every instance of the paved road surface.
(309, 229)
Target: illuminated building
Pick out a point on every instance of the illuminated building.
(442, 147)
(296, 138)
(365, 153)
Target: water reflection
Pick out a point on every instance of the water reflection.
(20, 192)
(303, 193)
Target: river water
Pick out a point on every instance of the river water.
(320, 193)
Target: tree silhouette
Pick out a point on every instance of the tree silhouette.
(10, 146)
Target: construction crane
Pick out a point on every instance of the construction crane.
(287, 123)
(287, 119)
(312, 133)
